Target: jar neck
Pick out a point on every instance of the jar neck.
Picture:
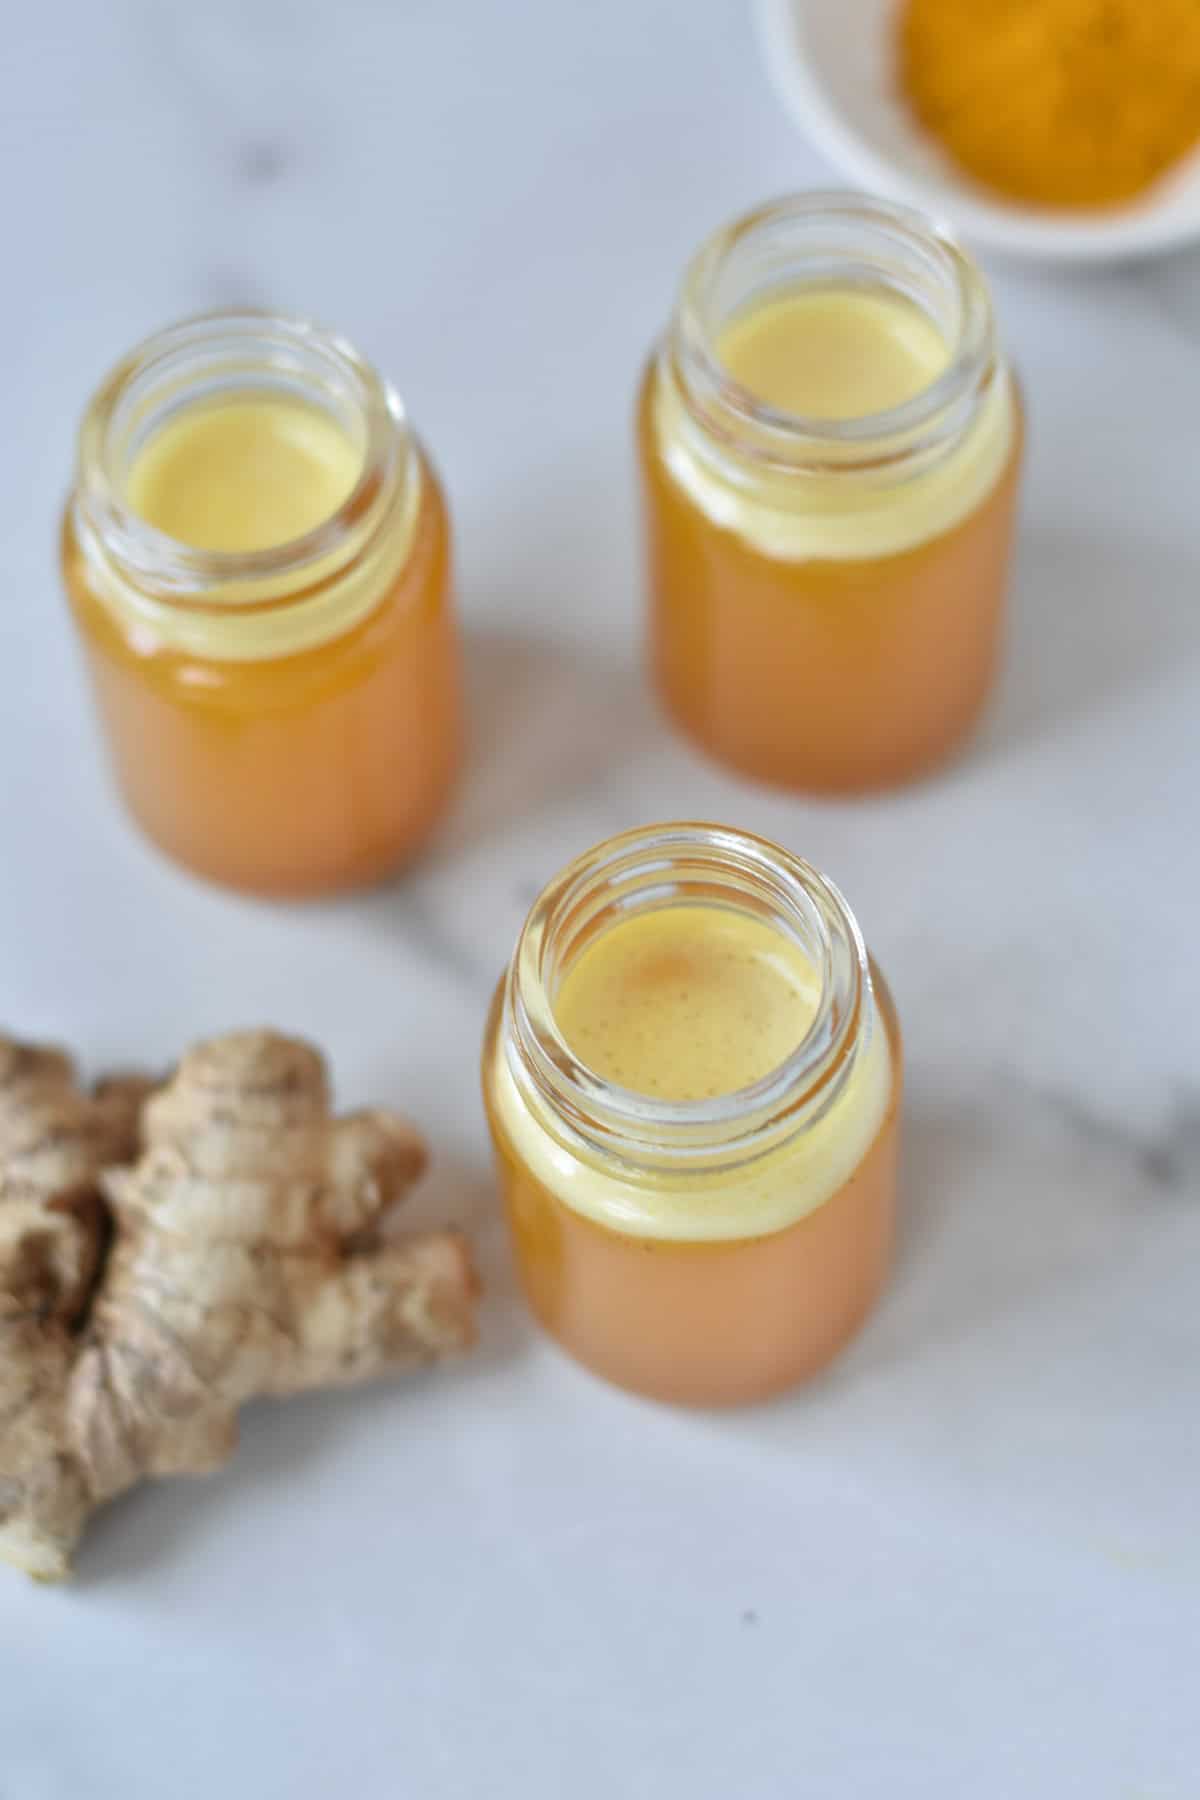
(640, 872)
(829, 241)
(262, 602)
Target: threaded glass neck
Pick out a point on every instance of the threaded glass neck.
(842, 241)
(245, 604)
(703, 865)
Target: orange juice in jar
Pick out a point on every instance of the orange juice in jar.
(829, 439)
(257, 556)
(692, 1075)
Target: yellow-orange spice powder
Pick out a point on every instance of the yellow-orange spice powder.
(1067, 103)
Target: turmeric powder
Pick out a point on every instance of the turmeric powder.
(1060, 103)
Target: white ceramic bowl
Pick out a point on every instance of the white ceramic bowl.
(833, 63)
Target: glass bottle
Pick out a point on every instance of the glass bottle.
(826, 593)
(715, 1249)
(282, 718)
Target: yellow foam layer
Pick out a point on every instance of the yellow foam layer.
(749, 997)
(835, 355)
(687, 1002)
(244, 474)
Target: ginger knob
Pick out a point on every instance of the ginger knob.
(246, 1259)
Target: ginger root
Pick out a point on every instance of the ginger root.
(246, 1258)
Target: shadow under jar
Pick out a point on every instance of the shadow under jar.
(692, 1076)
(829, 440)
(257, 555)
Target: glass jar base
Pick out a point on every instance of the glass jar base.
(369, 868)
(730, 1395)
(831, 775)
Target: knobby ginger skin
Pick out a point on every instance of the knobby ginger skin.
(730, 1231)
(262, 585)
(244, 1258)
(829, 471)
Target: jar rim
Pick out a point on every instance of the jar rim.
(729, 410)
(286, 346)
(656, 865)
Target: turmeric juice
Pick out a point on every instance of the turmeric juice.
(829, 471)
(733, 1276)
(261, 581)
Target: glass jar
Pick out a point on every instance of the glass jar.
(283, 718)
(826, 593)
(715, 1249)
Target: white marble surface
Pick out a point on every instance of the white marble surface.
(968, 1562)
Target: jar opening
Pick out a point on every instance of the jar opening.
(833, 242)
(212, 361)
(704, 866)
